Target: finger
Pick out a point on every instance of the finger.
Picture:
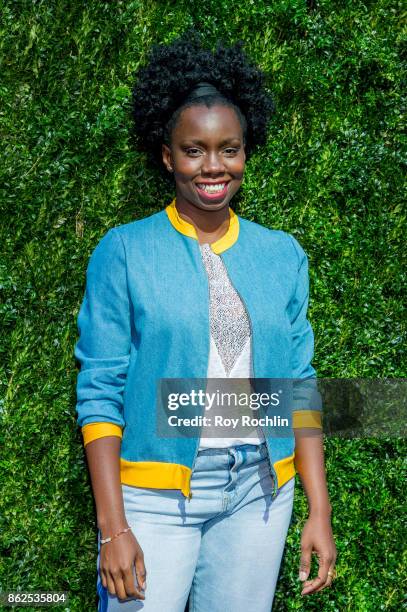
(312, 585)
(305, 563)
(329, 579)
(131, 585)
(110, 584)
(141, 572)
(103, 578)
(323, 586)
(119, 586)
(320, 580)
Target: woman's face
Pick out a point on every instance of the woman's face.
(206, 149)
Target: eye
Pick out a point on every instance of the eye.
(231, 150)
(191, 151)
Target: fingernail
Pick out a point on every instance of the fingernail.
(303, 575)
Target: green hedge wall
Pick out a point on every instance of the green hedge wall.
(331, 174)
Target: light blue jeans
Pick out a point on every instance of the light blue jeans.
(223, 546)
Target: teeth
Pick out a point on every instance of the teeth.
(212, 188)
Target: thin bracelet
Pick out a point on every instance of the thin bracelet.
(115, 536)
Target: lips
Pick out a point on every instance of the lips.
(217, 196)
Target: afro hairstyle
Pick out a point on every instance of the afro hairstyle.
(173, 70)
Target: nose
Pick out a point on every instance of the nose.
(212, 163)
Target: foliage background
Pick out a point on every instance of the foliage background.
(331, 174)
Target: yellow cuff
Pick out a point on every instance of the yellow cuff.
(93, 431)
(307, 418)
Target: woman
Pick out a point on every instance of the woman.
(191, 293)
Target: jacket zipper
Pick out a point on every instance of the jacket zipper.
(206, 373)
(274, 474)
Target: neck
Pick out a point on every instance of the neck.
(210, 225)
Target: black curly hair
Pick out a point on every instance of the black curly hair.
(172, 70)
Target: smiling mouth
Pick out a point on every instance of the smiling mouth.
(212, 188)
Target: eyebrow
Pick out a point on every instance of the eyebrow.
(201, 143)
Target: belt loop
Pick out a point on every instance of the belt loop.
(232, 453)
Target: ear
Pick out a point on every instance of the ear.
(167, 158)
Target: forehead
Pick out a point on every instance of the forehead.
(199, 121)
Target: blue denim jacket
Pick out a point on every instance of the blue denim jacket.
(145, 317)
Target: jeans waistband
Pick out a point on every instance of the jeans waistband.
(260, 448)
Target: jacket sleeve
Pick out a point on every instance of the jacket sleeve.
(307, 404)
(103, 348)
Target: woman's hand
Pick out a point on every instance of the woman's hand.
(118, 559)
(317, 536)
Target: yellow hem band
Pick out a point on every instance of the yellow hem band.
(156, 475)
(285, 469)
(161, 475)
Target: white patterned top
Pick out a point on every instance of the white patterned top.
(230, 338)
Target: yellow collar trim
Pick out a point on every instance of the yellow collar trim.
(186, 228)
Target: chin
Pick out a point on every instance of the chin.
(215, 205)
